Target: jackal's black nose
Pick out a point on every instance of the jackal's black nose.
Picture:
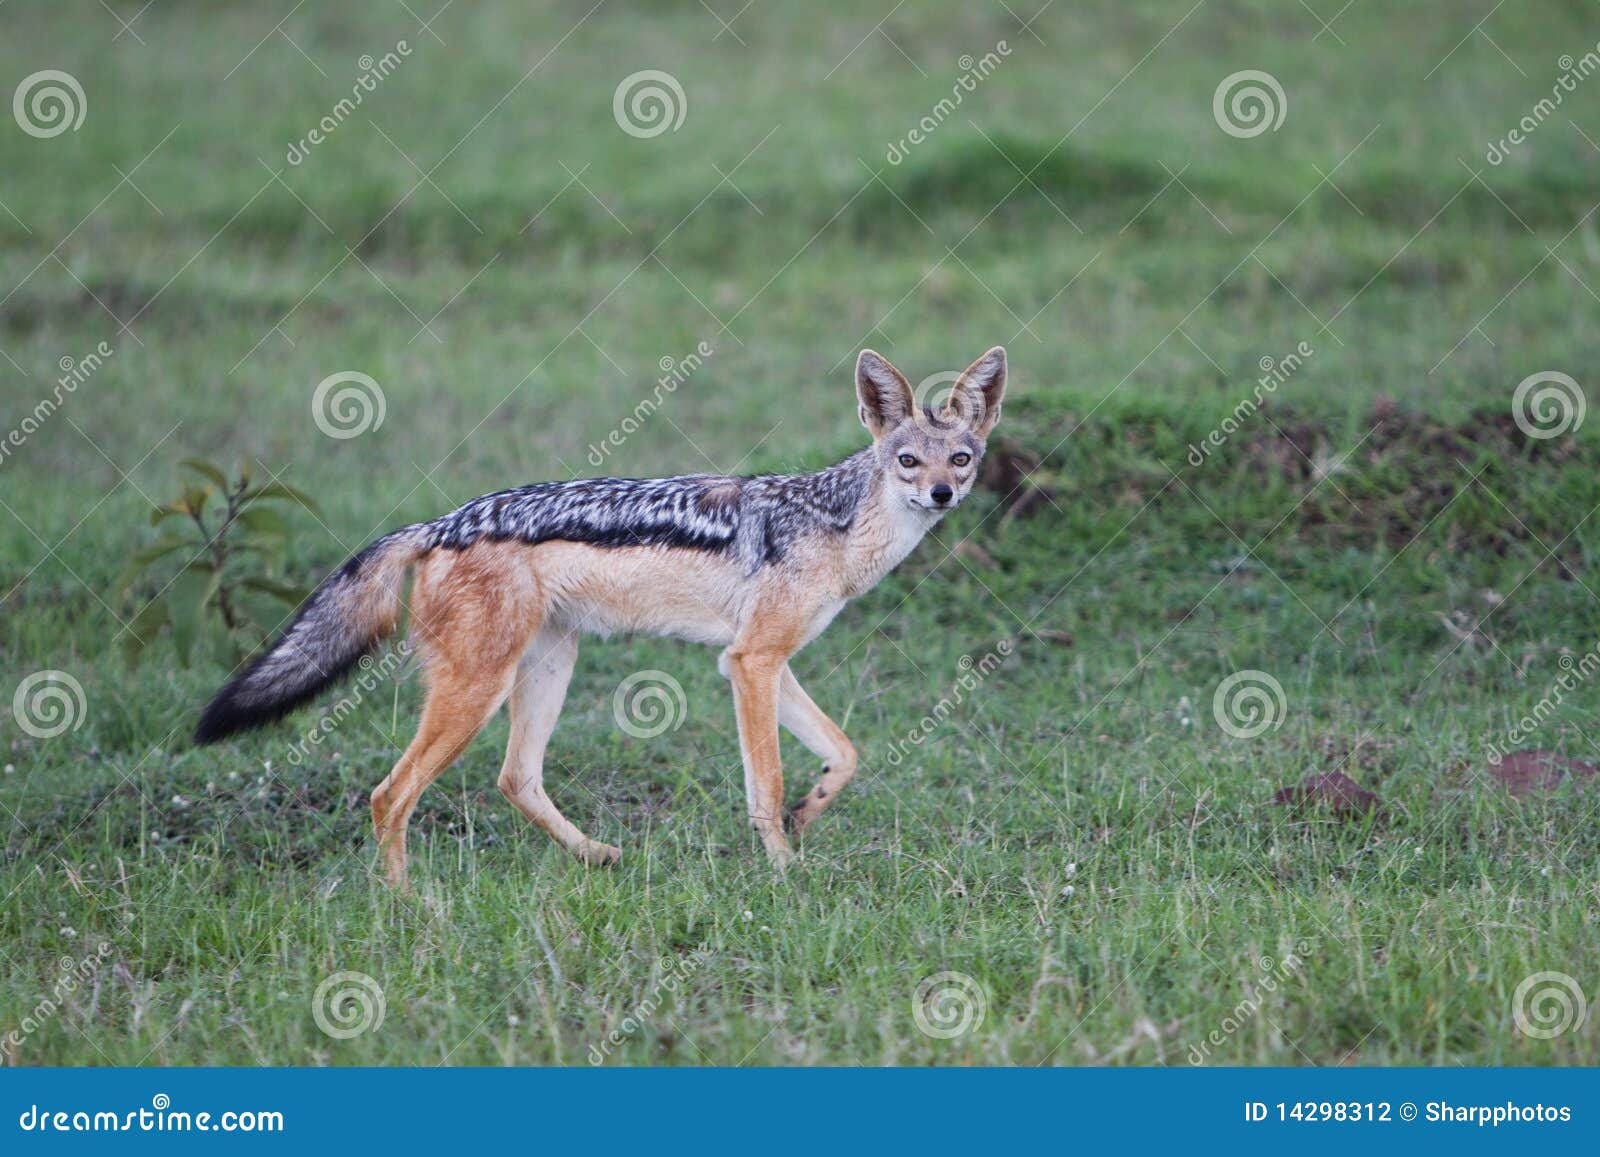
(941, 493)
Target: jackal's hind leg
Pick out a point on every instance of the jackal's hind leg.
(536, 698)
(458, 706)
(473, 613)
(823, 738)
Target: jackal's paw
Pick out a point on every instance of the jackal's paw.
(781, 856)
(802, 814)
(599, 855)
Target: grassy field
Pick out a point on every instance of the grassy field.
(1085, 835)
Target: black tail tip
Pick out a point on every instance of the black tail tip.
(222, 718)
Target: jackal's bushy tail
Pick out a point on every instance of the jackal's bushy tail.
(342, 620)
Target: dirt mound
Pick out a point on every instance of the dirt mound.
(1524, 773)
(1333, 792)
(1388, 478)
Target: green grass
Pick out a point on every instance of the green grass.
(1079, 837)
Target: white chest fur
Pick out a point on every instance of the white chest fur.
(881, 540)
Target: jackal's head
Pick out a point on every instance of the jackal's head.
(928, 447)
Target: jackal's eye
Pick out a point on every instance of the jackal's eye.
(908, 460)
(960, 459)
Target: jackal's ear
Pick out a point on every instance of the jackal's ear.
(885, 394)
(977, 393)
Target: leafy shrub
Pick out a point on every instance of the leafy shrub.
(232, 538)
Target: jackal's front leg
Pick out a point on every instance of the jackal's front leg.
(822, 738)
(755, 677)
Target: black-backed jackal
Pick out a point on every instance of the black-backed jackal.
(505, 585)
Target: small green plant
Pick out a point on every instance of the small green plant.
(232, 538)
